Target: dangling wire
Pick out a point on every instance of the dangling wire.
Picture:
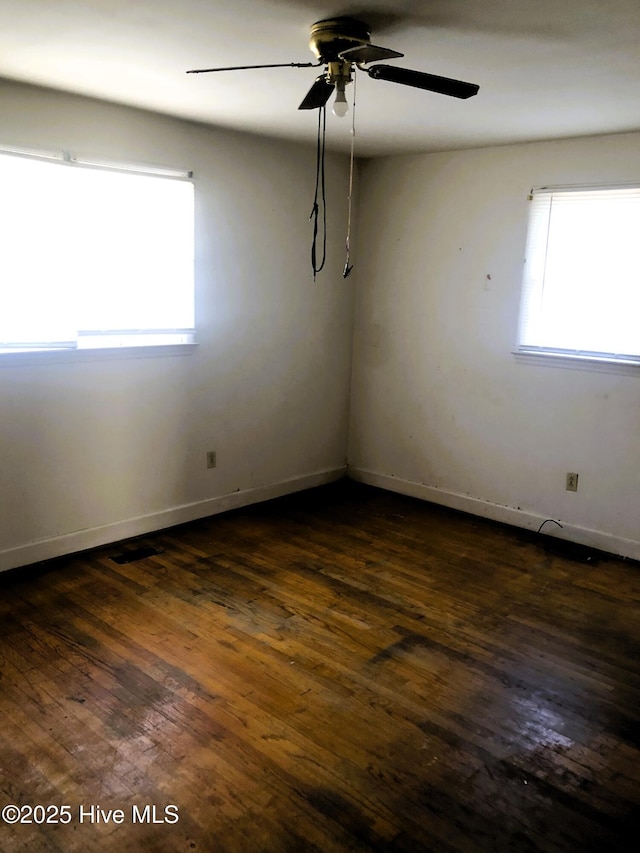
(348, 267)
(320, 191)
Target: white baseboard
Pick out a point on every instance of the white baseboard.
(82, 540)
(599, 539)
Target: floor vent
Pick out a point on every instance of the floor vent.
(135, 554)
(570, 550)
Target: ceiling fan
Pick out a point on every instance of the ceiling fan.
(342, 44)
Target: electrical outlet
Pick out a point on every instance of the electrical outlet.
(211, 459)
(572, 483)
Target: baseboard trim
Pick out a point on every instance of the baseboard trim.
(83, 540)
(629, 548)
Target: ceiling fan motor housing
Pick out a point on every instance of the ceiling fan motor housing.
(330, 37)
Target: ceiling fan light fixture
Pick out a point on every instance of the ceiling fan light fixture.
(340, 106)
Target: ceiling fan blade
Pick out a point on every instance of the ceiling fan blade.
(249, 67)
(368, 53)
(318, 94)
(430, 82)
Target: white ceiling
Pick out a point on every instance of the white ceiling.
(546, 68)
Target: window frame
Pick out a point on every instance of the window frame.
(599, 361)
(89, 345)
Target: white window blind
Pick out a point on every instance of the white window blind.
(93, 257)
(581, 288)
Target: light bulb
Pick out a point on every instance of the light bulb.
(340, 105)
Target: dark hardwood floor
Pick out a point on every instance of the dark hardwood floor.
(344, 669)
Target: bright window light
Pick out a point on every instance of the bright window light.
(581, 292)
(93, 257)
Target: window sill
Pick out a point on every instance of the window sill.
(578, 362)
(76, 356)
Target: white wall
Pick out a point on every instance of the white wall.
(95, 450)
(440, 406)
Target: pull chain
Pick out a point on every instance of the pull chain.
(320, 190)
(347, 266)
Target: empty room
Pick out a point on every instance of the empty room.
(319, 406)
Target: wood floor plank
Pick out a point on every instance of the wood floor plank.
(341, 670)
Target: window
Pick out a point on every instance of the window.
(581, 292)
(93, 256)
